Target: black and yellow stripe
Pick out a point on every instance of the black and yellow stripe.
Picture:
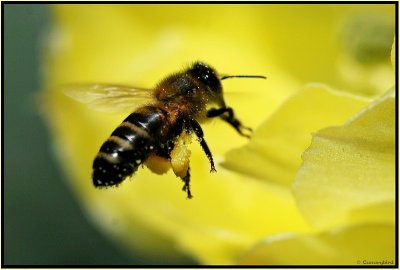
(128, 146)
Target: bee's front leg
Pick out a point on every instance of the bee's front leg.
(228, 116)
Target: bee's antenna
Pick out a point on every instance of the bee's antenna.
(242, 76)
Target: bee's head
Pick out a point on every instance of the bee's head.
(209, 77)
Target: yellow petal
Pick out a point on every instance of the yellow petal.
(372, 244)
(274, 152)
(350, 170)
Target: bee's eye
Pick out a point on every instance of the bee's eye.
(206, 75)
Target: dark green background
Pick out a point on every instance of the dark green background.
(43, 224)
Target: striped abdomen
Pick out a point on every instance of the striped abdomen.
(128, 146)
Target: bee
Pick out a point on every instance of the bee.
(150, 134)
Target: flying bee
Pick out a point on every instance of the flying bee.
(150, 135)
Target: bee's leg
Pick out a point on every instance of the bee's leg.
(199, 133)
(186, 186)
(228, 116)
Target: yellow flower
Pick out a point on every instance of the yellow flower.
(230, 212)
(344, 187)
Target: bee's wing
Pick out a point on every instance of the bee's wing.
(109, 98)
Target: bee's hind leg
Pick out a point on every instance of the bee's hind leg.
(186, 186)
